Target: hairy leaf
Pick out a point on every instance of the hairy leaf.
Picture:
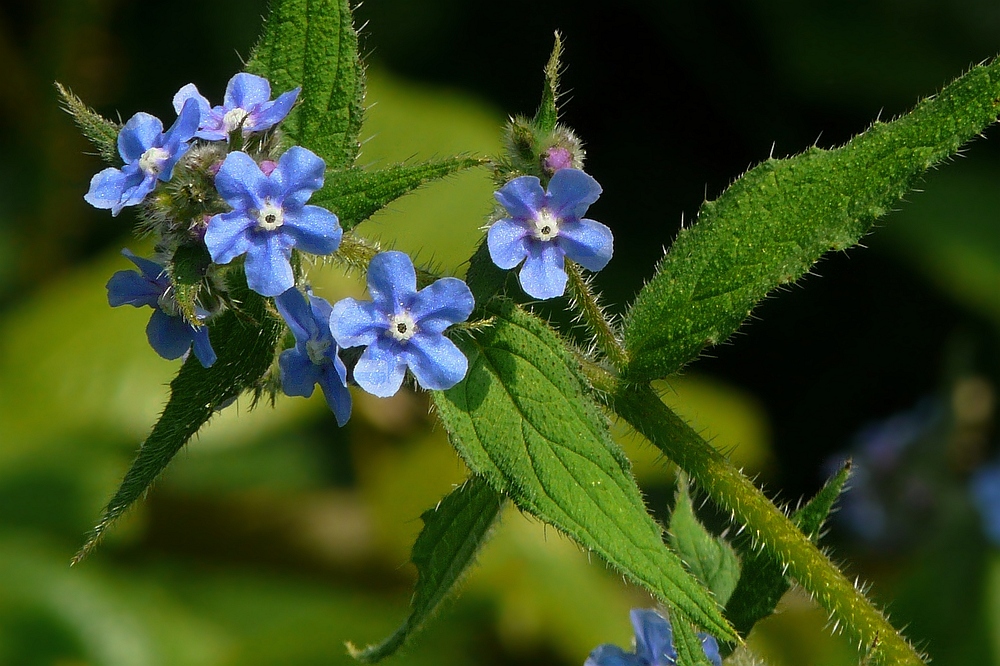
(244, 341)
(710, 558)
(522, 419)
(188, 267)
(763, 582)
(313, 44)
(446, 548)
(100, 131)
(357, 194)
(548, 111)
(776, 221)
(687, 643)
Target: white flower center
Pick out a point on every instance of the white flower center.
(546, 225)
(270, 217)
(235, 119)
(402, 327)
(152, 160)
(316, 350)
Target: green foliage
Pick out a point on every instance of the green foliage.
(687, 643)
(100, 131)
(188, 268)
(776, 221)
(763, 582)
(447, 546)
(710, 558)
(523, 420)
(548, 111)
(357, 194)
(313, 44)
(244, 341)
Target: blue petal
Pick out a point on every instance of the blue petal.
(241, 182)
(381, 368)
(440, 304)
(169, 336)
(354, 323)
(270, 114)
(523, 197)
(333, 381)
(435, 361)
(298, 374)
(130, 288)
(202, 347)
(654, 638)
(137, 185)
(587, 242)
(175, 139)
(315, 230)
(321, 311)
(392, 280)
(245, 90)
(507, 243)
(543, 274)
(150, 269)
(571, 192)
(612, 655)
(106, 189)
(228, 236)
(300, 173)
(140, 133)
(711, 648)
(190, 91)
(297, 313)
(268, 266)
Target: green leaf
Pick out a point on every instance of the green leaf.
(776, 221)
(689, 648)
(710, 558)
(446, 548)
(763, 582)
(244, 342)
(357, 194)
(548, 111)
(188, 267)
(100, 131)
(522, 419)
(312, 43)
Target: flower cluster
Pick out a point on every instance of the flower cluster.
(195, 192)
(654, 644)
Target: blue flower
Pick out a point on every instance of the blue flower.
(149, 153)
(654, 644)
(269, 217)
(985, 485)
(403, 328)
(247, 106)
(169, 334)
(313, 360)
(545, 227)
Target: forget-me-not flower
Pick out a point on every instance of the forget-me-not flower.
(247, 106)
(403, 328)
(313, 360)
(545, 227)
(149, 153)
(270, 217)
(169, 334)
(654, 644)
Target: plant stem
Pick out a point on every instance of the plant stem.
(849, 609)
(584, 301)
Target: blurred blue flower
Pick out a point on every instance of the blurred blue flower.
(169, 334)
(313, 360)
(654, 644)
(269, 217)
(985, 486)
(403, 328)
(149, 153)
(545, 227)
(247, 106)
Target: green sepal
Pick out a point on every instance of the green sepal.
(188, 268)
(523, 419)
(763, 582)
(354, 195)
(445, 549)
(710, 558)
(313, 44)
(97, 129)
(244, 342)
(776, 221)
(686, 642)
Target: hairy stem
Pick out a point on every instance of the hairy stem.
(849, 609)
(584, 301)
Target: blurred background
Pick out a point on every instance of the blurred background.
(274, 537)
